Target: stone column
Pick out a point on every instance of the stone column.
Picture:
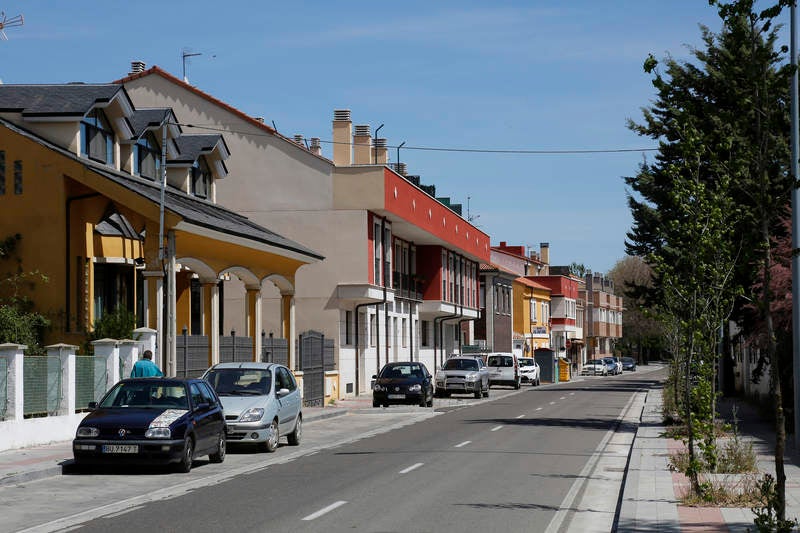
(109, 350)
(66, 353)
(155, 284)
(253, 318)
(212, 288)
(13, 353)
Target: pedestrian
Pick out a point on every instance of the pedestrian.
(145, 367)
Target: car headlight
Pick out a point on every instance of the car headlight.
(158, 433)
(253, 414)
(471, 377)
(87, 432)
(378, 388)
(415, 388)
(440, 376)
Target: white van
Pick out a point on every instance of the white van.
(503, 369)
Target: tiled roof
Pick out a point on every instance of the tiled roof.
(192, 146)
(530, 283)
(55, 100)
(148, 118)
(217, 102)
(191, 209)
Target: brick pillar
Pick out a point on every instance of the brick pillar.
(109, 350)
(13, 353)
(66, 353)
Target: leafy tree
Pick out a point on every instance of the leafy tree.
(19, 322)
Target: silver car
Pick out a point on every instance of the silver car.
(261, 402)
(463, 375)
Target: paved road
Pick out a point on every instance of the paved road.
(507, 464)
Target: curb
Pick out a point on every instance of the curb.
(65, 466)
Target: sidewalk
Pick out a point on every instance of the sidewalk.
(651, 495)
(37, 462)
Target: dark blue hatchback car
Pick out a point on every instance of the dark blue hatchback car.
(153, 421)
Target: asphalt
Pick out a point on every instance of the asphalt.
(651, 494)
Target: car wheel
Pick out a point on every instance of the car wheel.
(187, 457)
(517, 385)
(430, 402)
(219, 456)
(295, 436)
(486, 393)
(376, 403)
(423, 400)
(273, 435)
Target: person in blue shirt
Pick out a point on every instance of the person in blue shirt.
(145, 367)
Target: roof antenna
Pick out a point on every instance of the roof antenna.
(184, 54)
(6, 22)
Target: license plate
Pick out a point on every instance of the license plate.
(120, 448)
(397, 396)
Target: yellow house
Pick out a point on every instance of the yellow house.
(81, 182)
(531, 313)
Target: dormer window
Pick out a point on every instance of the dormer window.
(147, 157)
(201, 178)
(97, 137)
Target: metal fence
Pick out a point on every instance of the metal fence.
(235, 349)
(192, 355)
(91, 376)
(314, 357)
(42, 385)
(3, 387)
(274, 350)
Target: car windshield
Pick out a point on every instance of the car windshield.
(460, 364)
(525, 361)
(594, 362)
(402, 371)
(627, 359)
(240, 381)
(146, 394)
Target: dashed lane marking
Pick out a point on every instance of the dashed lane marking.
(328, 509)
(462, 444)
(521, 416)
(497, 428)
(410, 468)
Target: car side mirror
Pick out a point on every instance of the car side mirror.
(92, 406)
(374, 376)
(203, 406)
(282, 392)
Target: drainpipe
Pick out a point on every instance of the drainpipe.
(68, 253)
(410, 331)
(383, 302)
(358, 373)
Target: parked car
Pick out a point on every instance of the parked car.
(611, 365)
(594, 367)
(529, 371)
(618, 362)
(153, 421)
(261, 403)
(403, 383)
(629, 363)
(503, 369)
(463, 374)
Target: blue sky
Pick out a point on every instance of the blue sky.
(535, 75)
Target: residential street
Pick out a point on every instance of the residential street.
(504, 464)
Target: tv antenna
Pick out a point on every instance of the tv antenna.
(6, 22)
(184, 55)
(470, 216)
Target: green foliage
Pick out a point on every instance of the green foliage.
(767, 520)
(579, 269)
(116, 325)
(19, 322)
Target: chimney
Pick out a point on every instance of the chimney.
(137, 67)
(381, 152)
(544, 248)
(315, 146)
(342, 137)
(362, 145)
(503, 244)
(400, 168)
(299, 140)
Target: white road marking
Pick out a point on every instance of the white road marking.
(462, 444)
(572, 394)
(563, 398)
(496, 428)
(552, 403)
(327, 509)
(521, 416)
(538, 408)
(410, 468)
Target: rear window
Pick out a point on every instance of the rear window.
(500, 360)
(525, 362)
(240, 381)
(460, 364)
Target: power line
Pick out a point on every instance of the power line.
(456, 150)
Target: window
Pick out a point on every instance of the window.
(387, 256)
(424, 334)
(201, 178)
(404, 333)
(348, 320)
(373, 330)
(196, 308)
(113, 288)
(2, 172)
(147, 157)
(482, 296)
(376, 240)
(97, 137)
(533, 310)
(197, 397)
(444, 275)
(18, 177)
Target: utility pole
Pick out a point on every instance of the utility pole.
(795, 231)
